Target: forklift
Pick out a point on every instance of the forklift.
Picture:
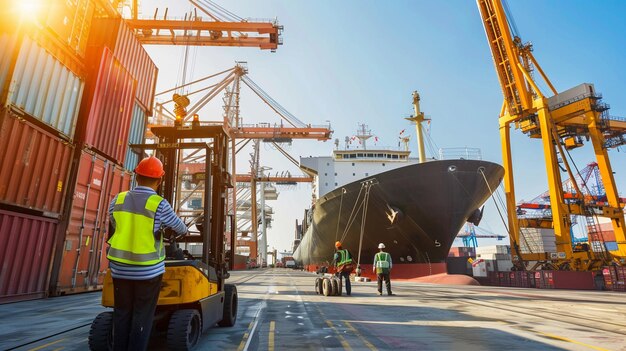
(193, 296)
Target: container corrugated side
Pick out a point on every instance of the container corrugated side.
(34, 165)
(8, 43)
(25, 250)
(108, 110)
(70, 21)
(116, 35)
(83, 262)
(135, 136)
(84, 229)
(44, 88)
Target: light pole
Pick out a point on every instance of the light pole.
(263, 243)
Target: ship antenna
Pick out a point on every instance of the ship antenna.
(418, 118)
(363, 134)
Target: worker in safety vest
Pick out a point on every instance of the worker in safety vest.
(343, 262)
(136, 254)
(382, 268)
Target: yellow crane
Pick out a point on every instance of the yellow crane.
(218, 27)
(562, 121)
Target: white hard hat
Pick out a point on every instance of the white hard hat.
(381, 246)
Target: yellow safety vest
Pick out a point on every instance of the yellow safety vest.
(344, 258)
(133, 241)
(382, 265)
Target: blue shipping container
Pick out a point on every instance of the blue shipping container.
(136, 135)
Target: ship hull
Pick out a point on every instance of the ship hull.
(431, 201)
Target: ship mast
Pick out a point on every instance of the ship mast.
(418, 118)
(363, 134)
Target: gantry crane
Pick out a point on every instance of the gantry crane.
(219, 27)
(561, 121)
(468, 236)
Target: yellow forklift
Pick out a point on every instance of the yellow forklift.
(194, 296)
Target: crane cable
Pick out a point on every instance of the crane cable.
(366, 202)
(343, 191)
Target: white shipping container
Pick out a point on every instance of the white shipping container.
(493, 249)
(45, 89)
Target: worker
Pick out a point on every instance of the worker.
(136, 254)
(343, 262)
(382, 268)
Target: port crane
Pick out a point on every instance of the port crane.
(469, 236)
(562, 122)
(218, 27)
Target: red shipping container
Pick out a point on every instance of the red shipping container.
(25, 251)
(114, 34)
(537, 278)
(105, 115)
(83, 262)
(547, 280)
(34, 166)
(574, 280)
(531, 279)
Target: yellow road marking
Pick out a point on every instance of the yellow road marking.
(367, 343)
(573, 341)
(343, 341)
(270, 342)
(46, 345)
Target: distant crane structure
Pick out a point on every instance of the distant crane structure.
(562, 122)
(228, 82)
(215, 26)
(469, 236)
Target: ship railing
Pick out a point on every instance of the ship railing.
(455, 153)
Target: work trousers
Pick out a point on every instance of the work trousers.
(381, 277)
(135, 303)
(346, 278)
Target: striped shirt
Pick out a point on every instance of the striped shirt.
(164, 217)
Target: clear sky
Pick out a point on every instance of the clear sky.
(351, 62)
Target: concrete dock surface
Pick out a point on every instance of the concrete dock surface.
(279, 310)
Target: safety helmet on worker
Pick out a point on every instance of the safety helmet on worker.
(381, 246)
(338, 244)
(150, 167)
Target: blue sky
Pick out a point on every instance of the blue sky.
(353, 62)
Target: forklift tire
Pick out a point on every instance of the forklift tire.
(318, 282)
(184, 330)
(101, 332)
(320, 287)
(231, 300)
(327, 287)
(336, 291)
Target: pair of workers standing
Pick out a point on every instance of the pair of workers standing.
(382, 267)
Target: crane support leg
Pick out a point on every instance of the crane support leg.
(606, 172)
(561, 218)
(509, 187)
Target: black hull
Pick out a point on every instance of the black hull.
(435, 200)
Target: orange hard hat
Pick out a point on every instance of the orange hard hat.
(338, 244)
(150, 167)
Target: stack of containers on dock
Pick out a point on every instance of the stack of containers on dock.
(42, 79)
(119, 91)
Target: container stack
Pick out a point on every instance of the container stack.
(75, 90)
(42, 80)
(119, 92)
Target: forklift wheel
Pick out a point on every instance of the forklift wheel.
(184, 330)
(318, 282)
(101, 332)
(230, 306)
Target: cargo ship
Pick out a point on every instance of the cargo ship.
(365, 197)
